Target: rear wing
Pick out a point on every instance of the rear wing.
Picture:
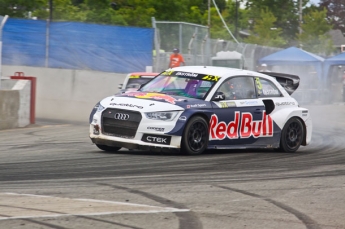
(289, 82)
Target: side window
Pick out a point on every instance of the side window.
(266, 88)
(241, 87)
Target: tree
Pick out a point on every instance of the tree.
(20, 8)
(314, 37)
(335, 13)
(265, 31)
(285, 11)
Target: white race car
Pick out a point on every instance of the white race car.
(194, 108)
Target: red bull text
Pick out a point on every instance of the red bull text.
(245, 128)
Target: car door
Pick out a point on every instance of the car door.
(239, 116)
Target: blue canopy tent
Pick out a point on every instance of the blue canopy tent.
(295, 57)
(335, 60)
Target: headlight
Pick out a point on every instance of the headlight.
(99, 107)
(164, 116)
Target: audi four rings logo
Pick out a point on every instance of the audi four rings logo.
(121, 116)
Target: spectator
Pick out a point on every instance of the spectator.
(176, 59)
(264, 68)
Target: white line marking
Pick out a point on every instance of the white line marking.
(160, 209)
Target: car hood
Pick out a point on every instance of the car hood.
(152, 101)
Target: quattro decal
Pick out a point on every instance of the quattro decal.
(243, 126)
(152, 95)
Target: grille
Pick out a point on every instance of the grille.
(120, 128)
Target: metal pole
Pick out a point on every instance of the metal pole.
(3, 21)
(47, 43)
(208, 41)
(51, 10)
(180, 38)
(236, 19)
(209, 18)
(300, 16)
(157, 67)
(48, 32)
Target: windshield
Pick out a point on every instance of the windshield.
(135, 83)
(192, 85)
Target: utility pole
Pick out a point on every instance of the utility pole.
(236, 19)
(50, 10)
(300, 16)
(209, 18)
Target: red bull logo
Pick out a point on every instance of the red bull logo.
(245, 128)
(152, 95)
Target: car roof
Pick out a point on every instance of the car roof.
(217, 71)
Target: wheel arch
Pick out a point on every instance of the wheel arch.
(304, 141)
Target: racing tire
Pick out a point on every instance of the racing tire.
(108, 148)
(195, 136)
(292, 136)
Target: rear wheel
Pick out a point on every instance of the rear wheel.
(292, 136)
(108, 148)
(195, 136)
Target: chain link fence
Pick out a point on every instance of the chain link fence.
(197, 48)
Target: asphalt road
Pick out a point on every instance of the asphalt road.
(51, 176)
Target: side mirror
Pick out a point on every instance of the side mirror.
(120, 86)
(218, 96)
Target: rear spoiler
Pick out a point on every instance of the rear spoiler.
(289, 82)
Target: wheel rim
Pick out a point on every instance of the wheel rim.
(293, 135)
(197, 136)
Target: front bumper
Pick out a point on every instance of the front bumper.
(132, 145)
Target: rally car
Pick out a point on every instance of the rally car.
(194, 108)
(134, 80)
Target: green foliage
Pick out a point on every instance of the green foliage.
(285, 11)
(259, 17)
(265, 31)
(314, 37)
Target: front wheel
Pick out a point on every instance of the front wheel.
(195, 136)
(108, 148)
(292, 136)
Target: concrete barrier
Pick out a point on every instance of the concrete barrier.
(64, 94)
(14, 103)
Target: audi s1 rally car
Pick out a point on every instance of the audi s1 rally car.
(194, 108)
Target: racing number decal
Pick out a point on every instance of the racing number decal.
(211, 78)
(258, 85)
(134, 76)
(167, 73)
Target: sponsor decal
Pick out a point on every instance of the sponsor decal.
(189, 74)
(126, 105)
(152, 95)
(167, 73)
(196, 105)
(227, 104)
(211, 78)
(155, 128)
(270, 92)
(285, 103)
(156, 139)
(245, 128)
(249, 102)
(134, 76)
